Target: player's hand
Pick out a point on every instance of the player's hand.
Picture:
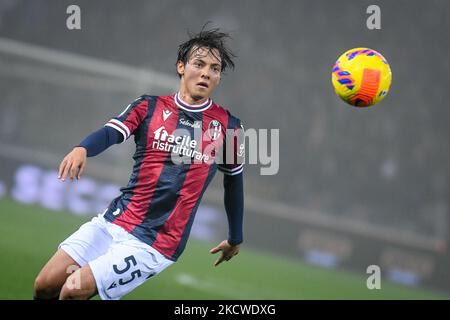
(73, 164)
(227, 252)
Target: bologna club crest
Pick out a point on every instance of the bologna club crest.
(214, 130)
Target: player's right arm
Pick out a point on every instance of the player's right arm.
(115, 131)
(73, 164)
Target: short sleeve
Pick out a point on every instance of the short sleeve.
(127, 122)
(233, 148)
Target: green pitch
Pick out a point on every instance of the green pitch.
(29, 235)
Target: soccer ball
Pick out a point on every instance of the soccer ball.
(361, 77)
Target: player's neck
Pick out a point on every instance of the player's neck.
(189, 99)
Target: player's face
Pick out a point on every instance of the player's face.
(200, 75)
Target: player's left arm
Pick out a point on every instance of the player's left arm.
(233, 183)
(234, 207)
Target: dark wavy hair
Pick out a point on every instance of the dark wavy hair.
(210, 39)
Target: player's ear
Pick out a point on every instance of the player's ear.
(180, 68)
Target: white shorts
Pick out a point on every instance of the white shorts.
(119, 261)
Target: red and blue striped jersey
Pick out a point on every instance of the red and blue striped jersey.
(179, 148)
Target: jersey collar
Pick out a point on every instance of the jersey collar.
(192, 107)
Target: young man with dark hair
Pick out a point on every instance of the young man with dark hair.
(179, 142)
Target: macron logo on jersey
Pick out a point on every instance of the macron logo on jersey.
(166, 114)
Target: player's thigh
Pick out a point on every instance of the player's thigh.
(56, 271)
(124, 268)
(90, 241)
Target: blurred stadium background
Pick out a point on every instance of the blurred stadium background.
(354, 188)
